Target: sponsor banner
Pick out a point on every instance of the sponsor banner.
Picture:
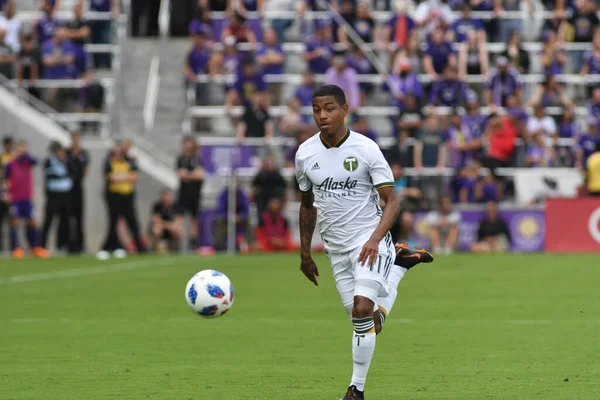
(533, 184)
(226, 156)
(526, 227)
(573, 225)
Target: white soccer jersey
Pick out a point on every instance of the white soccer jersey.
(344, 180)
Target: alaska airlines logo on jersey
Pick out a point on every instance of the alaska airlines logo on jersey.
(329, 184)
(351, 164)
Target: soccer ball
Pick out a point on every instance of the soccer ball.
(209, 293)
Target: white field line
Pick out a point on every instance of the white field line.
(101, 269)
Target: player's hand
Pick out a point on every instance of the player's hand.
(309, 269)
(369, 252)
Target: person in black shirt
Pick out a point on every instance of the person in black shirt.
(493, 235)
(78, 29)
(167, 222)
(256, 121)
(78, 164)
(29, 65)
(267, 184)
(191, 177)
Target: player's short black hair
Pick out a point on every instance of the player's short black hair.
(331, 90)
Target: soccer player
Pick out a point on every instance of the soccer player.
(19, 180)
(343, 176)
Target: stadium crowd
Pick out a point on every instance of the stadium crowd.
(459, 105)
(438, 57)
(54, 50)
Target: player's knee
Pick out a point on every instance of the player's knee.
(363, 307)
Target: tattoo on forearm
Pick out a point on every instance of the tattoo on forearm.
(308, 221)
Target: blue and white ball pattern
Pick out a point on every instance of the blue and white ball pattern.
(209, 293)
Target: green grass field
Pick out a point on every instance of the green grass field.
(466, 327)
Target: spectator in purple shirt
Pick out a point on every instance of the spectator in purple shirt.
(489, 24)
(362, 22)
(461, 26)
(361, 125)
(502, 82)
(438, 56)
(357, 61)
(458, 142)
(539, 154)
(102, 29)
(270, 57)
(552, 57)
(45, 27)
(242, 209)
(550, 93)
(403, 83)
(568, 129)
(591, 60)
(475, 124)
(448, 91)
(196, 63)
(346, 78)
(228, 61)
(305, 91)
(312, 5)
(58, 57)
(487, 189)
(249, 82)
(201, 23)
(467, 183)
(318, 49)
(517, 114)
(586, 143)
(593, 106)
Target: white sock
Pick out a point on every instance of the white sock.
(363, 346)
(396, 275)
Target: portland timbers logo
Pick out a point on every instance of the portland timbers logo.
(351, 164)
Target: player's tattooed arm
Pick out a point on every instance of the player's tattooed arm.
(308, 221)
(370, 250)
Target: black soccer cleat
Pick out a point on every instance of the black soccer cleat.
(354, 394)
(408, 257)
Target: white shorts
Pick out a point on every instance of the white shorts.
(353, 279)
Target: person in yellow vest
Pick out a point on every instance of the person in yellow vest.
(5, 158)
(593, 172)
(121, 176)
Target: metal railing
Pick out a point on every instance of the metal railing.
(423, 78)
(532, 47)
(32, 16)
(380, 16)
(384, 142)
(381, 112)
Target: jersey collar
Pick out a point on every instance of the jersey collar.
(339, 143)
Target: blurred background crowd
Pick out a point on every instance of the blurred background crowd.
(462, 97)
